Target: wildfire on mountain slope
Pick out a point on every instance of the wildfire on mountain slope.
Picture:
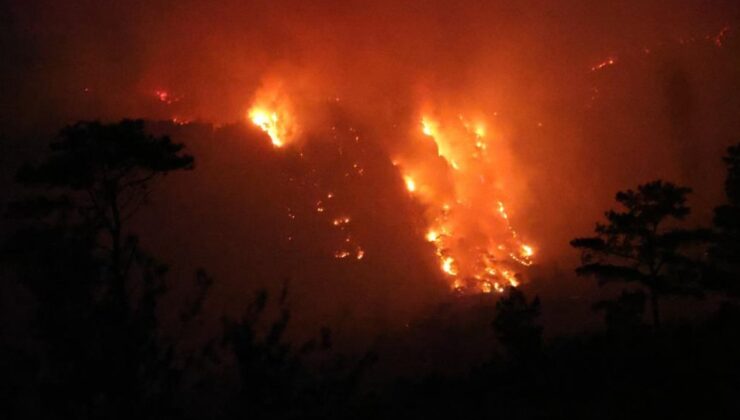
(476, 245)
(272, 114)
(468, 226)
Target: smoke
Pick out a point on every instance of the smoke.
(578, 99)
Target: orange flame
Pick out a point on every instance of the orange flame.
(268, 122)
(475, 243)
(271, 112)
(410, 183)
(468, 227)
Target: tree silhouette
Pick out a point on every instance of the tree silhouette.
(96, 291)
(623, 315)
(515, 324)
(275, 379)
(725, 251)
(636, 246)
(108, 168)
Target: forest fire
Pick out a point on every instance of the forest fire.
(606, 63)
(410, 183)
(271, 112)
(457, 182)
(268, 122)
(473, 239)
(384, 209)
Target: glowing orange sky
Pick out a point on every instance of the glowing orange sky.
(578, 99)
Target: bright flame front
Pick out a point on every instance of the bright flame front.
(271, 111)
(469, 228)
(268, 122)
(453, 174)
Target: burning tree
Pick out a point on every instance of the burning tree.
(636, 246)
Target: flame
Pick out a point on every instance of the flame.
(268, 122)
(410, 183)
(162, 95)
(473, 238)
(445, 148)
(486, 287)
(432, 236)
(341, 254)
(606, 63)
(468, 227)
(271, 112)
(527, 251)
(480, 131)
(428, 127)
(720, 37)
(502, 210)
(340, 221)
(448, 266)
(510, 277)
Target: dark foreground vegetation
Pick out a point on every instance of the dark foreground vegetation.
(96, 347)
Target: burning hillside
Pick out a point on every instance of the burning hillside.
(335, 208)
(391, 149)
(450, 169)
